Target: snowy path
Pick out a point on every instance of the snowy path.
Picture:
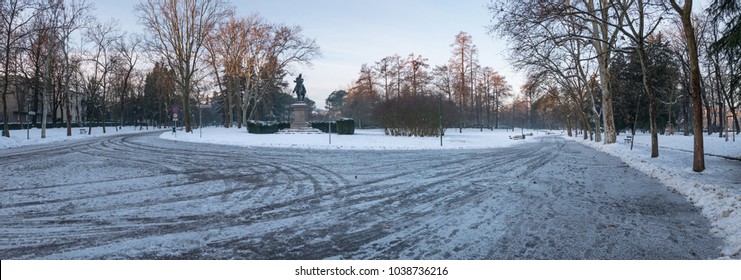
(139, 196)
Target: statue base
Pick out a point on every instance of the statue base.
(300, 116)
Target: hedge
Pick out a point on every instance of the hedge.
(343, 126)
(259, 127)
(346, 126)
(324, 126)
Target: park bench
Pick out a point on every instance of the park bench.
(83, 131)
(628, 139)
(517, 137)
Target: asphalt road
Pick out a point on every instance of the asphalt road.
(140, 197)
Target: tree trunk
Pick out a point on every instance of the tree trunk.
(652, 112)
(68, 113)
(685, 13)
(653, 104)
(686, 112)
(6, 127)
(596, 120)
(186, 108)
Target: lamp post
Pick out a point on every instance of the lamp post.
(513, 116)
(722, 113)
(29, 113)
(440, 113)
(200, 117)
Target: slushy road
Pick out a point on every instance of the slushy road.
(141, 197)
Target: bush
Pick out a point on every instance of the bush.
(324, 126)
(342, 126)
(260, 127)
(415, 115)
(346, 126)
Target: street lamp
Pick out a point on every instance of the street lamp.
(200, 116)
(29, 113)
(722, 113)
(440, 113)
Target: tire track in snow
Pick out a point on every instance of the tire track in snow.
(249, 203)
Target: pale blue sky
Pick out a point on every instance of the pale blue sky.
(351, 33)
(354, 32)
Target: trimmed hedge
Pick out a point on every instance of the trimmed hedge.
(324, 126)
(343, 126)
(416, 115)
(259, 127)
(346, 126)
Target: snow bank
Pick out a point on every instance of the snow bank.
(720, 200)
(714, 145)
(18, 137)
(363, 139)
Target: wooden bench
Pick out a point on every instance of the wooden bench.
(517, 137)
(628, 139)
(83, 131)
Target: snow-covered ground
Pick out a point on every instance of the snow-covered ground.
(181, 200)
(18, 138)
(363, 139)
(717, 190)
(142, 197)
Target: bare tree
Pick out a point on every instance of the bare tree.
(417, 73)
(443, 80)
(594, 24)
(500, 90)
(604, 40)
(127, 49)
(16, 17)
(640, 23)
(685, 15)
(271, 53)
(385, 72)
(226, 51)
(461, 64)
(180, 28)
(602, 24)
(531, 90)
(104, 37)
(74, 16)
(543, 39)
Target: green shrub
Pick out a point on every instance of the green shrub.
(416, 115)
(260, 127)
(324, 126)
(346, 126)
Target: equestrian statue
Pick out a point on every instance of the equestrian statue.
(299, 89)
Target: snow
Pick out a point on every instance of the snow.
(149, 198)
(713, 190)
(717, 190)
(363, 139)
(18, 137)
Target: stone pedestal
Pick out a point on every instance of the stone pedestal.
(300, 116)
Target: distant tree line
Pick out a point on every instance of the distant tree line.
(69, 67)
(611, 65)
(389, 92)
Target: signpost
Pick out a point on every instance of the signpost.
(175, 120)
